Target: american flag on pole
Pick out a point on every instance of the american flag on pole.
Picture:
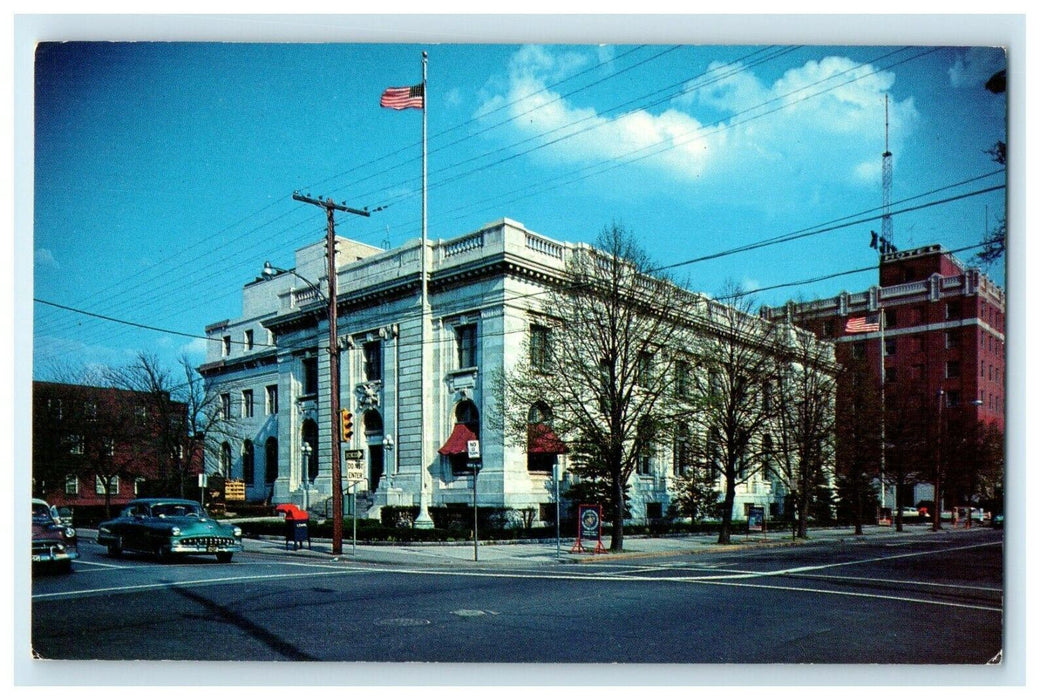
(412, 97)
(863, 324)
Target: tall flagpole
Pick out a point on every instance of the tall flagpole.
(424, 520)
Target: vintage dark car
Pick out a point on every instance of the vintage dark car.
(169, 527)
(54, 544)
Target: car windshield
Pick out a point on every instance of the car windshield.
(175, 510)
(42, 513)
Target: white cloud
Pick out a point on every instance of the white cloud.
(197, 347)
(579, 136)
(45, 258)
(808, 123)
(976, 66)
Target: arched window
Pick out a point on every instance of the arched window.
(225, 459)
(272, 464)
(543, 445)
(372, 422)
(248, 461)
(373, 429)
(311, 435)
(467, 427)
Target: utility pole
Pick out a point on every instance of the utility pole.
(332, 348)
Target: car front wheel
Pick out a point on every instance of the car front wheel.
(114, 549)
(225, 557)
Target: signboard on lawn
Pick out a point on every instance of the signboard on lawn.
(756, 519)
(590, 527)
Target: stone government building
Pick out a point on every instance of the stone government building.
(270, 367)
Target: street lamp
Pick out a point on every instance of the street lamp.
(936, 513)
(307, 452)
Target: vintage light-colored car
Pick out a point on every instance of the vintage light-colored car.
(54, 544)
(167, 527)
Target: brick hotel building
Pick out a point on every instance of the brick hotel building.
(943, 340)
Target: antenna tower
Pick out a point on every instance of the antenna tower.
(886, 225)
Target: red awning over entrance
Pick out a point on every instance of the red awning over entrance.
(542, 440)
(457, 444)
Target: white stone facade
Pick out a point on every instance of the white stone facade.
(484, 295)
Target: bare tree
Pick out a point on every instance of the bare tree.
(184, 418)
(859, 415)
(741, 369)
(804, 397)
(618, 333)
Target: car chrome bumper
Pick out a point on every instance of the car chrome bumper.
(204, 547)
(54, 556)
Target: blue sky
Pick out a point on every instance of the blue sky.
(164, 171)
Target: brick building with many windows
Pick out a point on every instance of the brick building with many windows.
(942, 347)
(98, 446)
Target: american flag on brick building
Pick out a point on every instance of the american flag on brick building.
(863, 324)
(412, 97)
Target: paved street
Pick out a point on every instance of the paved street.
(919, 598)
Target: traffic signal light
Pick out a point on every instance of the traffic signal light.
(347, 425)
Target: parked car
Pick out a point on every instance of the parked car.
(54, 544)
(997, 520)
(169, 527)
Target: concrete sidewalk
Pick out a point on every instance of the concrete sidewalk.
(530, 553)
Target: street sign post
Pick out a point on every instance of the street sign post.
(472, 448)
(354, 474)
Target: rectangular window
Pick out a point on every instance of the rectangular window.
(890, 318)
(54, 407)
(952, 309)
(858, 350)
(227, 345)
(91, 411)
(683, 378)
(248, 340)
(952, 398)
(828, 329)
(644, 368)
(890, 374)
(247, 403)
(310, 376)
(466, 336)
(114, 486)
(272, 403)
(76, 444)
(109, 446)
(373, 361)
(540, 346)
(72, 485)
(952, 369)
(140, 414)
(226, 406)
(918, 316)
(952, 338)
(890, 346)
